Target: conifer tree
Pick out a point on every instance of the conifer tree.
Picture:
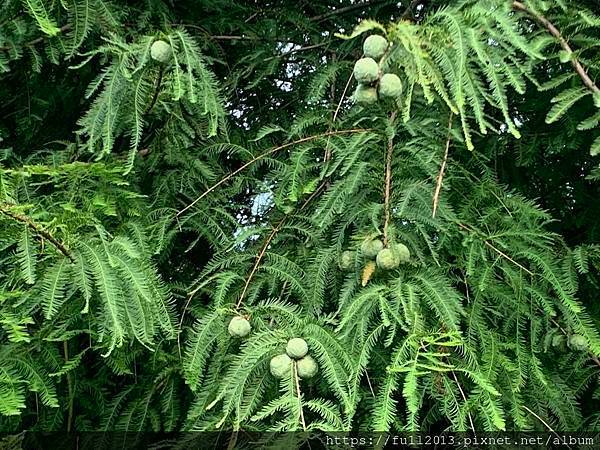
(222, 216)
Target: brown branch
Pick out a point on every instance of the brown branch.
(388, 182)
(462, 393)
(259, 258)
(268, 241)
(440, 177)
(39, 231)
(543, 421)
(335, 114)
(346, 9)
(589, 83)
(263, 155)
(38, 40)
(500, 252)
(408, 11)
(157, 86)
(298, 393)
(69, 387)
(298, 49)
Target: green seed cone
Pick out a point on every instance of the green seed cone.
(239, 327)
(366, 70)
(296, 348)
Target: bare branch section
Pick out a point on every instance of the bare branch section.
(37, 229)
(263, 155)
(388, 182)
(589, 83)
(440, 177)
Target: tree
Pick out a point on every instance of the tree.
(168, 168)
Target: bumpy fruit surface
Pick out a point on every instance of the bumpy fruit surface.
(239, 327)
(365, 94)
(388, 259)
(296, 348)
(366, 70)
(307, 367)
(161, 52)
(280, 365)
(371, 248)
(346, 260)
(403, 252)
(558, 340)
(390, 86)
(375, 46)
(578, 342)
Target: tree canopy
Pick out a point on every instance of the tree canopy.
(207, 223)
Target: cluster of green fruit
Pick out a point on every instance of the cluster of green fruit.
(161, 52)
(387, 258)
(296, 352)
(372, 82)
(576, 342)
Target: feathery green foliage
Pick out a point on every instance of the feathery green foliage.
(144, 204)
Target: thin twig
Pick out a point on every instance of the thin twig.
(233, 440)
(589, 83)
(408, 11)
(157, 86)
(38, 230)
(500, 252)
(298, 49)
(335, 114)
(69, 387)
(298, 393)
(440, 177)
(346, 9)
(462, 393)
(263, 155)
(38, 40)
(369, 383)
(259, 258)
(388, 182)
(543, 421)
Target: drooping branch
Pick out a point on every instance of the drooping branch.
(388, 182)
(264, 155)
(589, 83)
(37, 229)
(494, 248)
(440, 177)
(39, 39)
(259, 258)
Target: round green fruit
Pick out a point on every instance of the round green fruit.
(388, 259)
(280, 366)
(346, 260)
(403, 252)
(296, 348)
(558, 340)
(239, 327)
(390, 86)
(161, 52)
(366, 70)
(365, 94)
(371, 248)
(564, 56)
(578, 342)
(375, 46)
(307, 367)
